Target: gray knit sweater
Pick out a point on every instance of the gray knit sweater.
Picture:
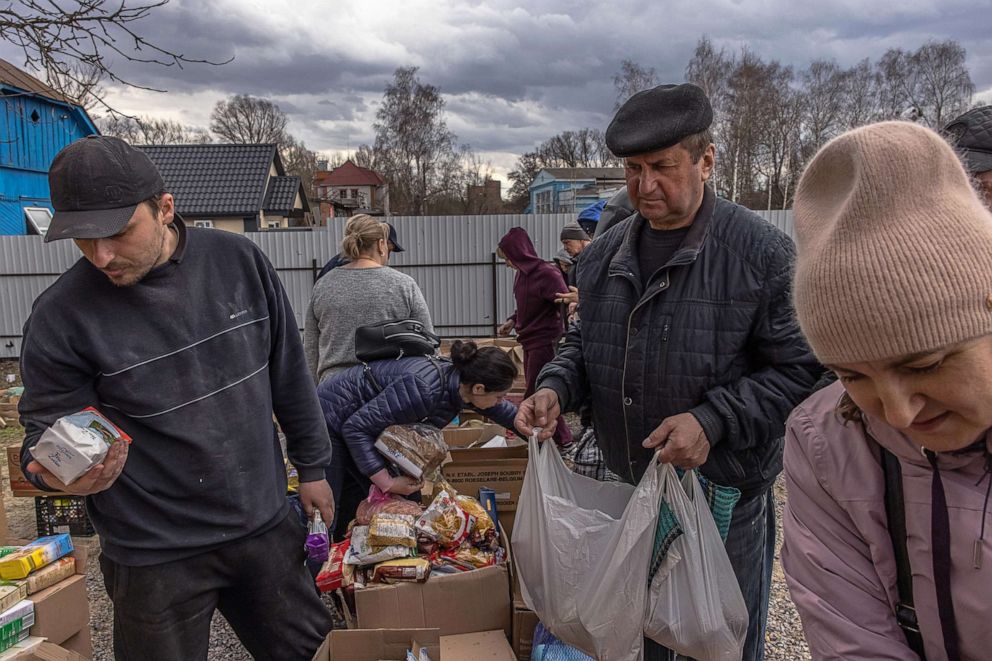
(345, 299)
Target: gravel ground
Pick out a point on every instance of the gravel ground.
(784, 641)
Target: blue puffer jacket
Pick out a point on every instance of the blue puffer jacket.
(413, 390)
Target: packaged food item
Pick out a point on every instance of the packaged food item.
(361, 553)
(445, 521)
(292, 478)
(483, 523)
(418, 449)
(317, 543)
(392, 530)
(331, 574)
(469, 557)
(405, 570)
(76, 443)
(379, 501)
(48, 576)
(7, 550)
(11, 593)
(39, 553)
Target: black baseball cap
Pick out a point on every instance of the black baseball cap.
(972, 135)
(97, 182)
(392, 239)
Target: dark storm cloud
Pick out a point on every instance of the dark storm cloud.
(512, 75)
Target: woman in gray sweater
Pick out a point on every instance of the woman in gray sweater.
(362, 292)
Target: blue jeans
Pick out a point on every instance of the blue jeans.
(751, 548)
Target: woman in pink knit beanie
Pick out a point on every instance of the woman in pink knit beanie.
(888, 470)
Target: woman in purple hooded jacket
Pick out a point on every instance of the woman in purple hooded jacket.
(537, 319)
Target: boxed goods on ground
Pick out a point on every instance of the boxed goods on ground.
(481, 646)
(500, 469)
(15, 623)
(34, 556)
(35, 648)
(524, 623)
(19, 484)
(379, 645)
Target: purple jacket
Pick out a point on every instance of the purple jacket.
(837, 553)
(537, 318)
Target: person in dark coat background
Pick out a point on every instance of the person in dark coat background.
(410, 390)
(971, 134)
(537, 319)
(687, 344)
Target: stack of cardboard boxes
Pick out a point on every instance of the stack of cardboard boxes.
(59, 612)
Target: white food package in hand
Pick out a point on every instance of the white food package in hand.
(75, 443)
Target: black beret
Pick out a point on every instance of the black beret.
(658, 118)
(972, 135)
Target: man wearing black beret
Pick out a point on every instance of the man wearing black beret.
(687, 345)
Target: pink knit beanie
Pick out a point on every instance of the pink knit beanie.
(895, 248)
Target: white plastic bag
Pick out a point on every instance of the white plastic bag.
(695, 602)
(582, 550)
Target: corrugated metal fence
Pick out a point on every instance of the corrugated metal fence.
(451, 258)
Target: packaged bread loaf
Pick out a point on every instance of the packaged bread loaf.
(418, 450)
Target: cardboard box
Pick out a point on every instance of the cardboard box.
(470, 602)
(524, 623)
(45, 651)
(19, 484)
(62, 610)
(81, 643)
(483, 646)
(500, 469)
(378, 644)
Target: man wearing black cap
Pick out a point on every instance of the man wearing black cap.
(687, 344)
(185, 339)
(972, 135)
(340, 259)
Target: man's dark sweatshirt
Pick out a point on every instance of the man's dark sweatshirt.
(192, 362)
(538, 318)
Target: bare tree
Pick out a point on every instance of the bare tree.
(82, 88)
(151, 131)
(823, 96)
(68, 41)
(709, 69)
(931, 84)
(632, 79)
(248, 119)
(299, 161)
(413, 147)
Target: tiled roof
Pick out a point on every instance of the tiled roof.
(349, 174)
(215, 180)
(281, 196)
(11, 75)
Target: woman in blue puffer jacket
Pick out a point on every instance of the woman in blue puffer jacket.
(358, 408)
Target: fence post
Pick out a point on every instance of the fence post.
(495, 299)
(313, 268)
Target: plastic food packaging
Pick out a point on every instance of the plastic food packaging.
(317, 542)
(445, 521)
(331, 574)
(361, 552)
(468, 557)
(76, 443)
(483, 522)
(418, 450)
(392, 530)
(381, 502)
(404, 570)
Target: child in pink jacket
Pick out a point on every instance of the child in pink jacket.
(893, 290)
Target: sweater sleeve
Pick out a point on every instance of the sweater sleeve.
(294, 399)
(57, 382)
(311, 341)
(752, 410)
(828, 566)
(418, 307)
(405, 400)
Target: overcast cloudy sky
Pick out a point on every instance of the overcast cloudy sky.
(512, 73)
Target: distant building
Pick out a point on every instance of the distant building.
(238, 188)
(569, 190)
(485, 198)
(349, 189)
(36, 123)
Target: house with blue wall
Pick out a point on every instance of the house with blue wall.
(36, 122)
(570, 190)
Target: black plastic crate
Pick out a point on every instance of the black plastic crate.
(62, 514)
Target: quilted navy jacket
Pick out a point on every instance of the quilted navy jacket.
(413, 390)
(713, 333)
